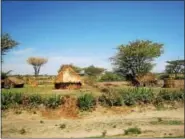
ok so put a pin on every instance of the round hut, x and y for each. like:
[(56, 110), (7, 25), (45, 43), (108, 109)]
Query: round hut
[(13, 82), (67, 79)]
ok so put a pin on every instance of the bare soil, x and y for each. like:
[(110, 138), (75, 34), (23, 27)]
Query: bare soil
[(45, 123)]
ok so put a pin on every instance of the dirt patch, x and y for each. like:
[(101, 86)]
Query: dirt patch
[(68, 109)]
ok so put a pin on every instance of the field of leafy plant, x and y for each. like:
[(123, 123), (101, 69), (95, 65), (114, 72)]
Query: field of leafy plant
[(86, 101)]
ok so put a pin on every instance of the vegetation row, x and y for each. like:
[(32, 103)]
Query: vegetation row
[(110, 97)]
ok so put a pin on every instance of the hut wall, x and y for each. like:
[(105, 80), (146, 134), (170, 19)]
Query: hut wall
[(18, 85), (170, 83), (68, 85)]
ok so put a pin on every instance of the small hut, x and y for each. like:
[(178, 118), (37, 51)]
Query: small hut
[(171, 83), (67, 78), (12, 82)]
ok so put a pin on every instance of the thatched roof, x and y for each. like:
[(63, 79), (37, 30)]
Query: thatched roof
[(67, 74), (15, 80)]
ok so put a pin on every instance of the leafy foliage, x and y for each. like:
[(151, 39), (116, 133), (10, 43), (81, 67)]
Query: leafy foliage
[(175, 67), (53, 101), (93, 71), (86, 102), (137, 96), (165, 95), (111, 98), (136, 57), (110, 76), (7, 43), (133, 130)]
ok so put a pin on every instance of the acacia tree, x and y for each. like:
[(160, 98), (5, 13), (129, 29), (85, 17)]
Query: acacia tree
[(135, 58), (175, 67), (93, 71), (7, 43), (37, 62)]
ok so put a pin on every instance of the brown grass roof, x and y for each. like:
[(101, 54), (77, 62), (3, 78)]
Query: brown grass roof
[(67, 74), (15, 80)]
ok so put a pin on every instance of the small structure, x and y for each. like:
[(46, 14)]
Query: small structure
[(148, 79), (67, 79), (12, 82), (171, 83)]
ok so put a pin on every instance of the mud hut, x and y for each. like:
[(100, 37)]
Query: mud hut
[(171, 83), (148, 79), (67, 78), (12, 82)]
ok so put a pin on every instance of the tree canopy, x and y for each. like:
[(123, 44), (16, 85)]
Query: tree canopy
[(7, 43), (136, 57), (175, 67), (37, 62), (93, 71)]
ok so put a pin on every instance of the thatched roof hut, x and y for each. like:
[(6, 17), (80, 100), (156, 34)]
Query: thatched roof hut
[(12, 82), (67, 78)]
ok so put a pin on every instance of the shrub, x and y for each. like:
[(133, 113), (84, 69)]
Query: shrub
[(133, 130), (53, 101), (104, 133), (9, 98), (62, 126), (109, 76), (35, 100), (86, 102), (111, 98), (137, 96), (41, 121), (166, 95), (22, 131), (90, 80)]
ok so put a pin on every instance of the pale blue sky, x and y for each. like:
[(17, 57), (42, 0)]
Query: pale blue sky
[(86, 33)]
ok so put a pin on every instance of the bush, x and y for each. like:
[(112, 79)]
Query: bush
[(137, 96), (90, 80), (22, 131), (166, 95), (9, 98), (133, 130), (86, 102), (62, 126), (53, 101), (35, 100), (111, 98), (109, 76)]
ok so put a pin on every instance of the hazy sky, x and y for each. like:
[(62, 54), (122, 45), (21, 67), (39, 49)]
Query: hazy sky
[(86, 33)]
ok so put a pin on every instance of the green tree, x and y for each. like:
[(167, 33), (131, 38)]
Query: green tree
[(93, 71), (37, 62), (7, 43), (111, 76), (135, 58), (75, 68), (175, 67)]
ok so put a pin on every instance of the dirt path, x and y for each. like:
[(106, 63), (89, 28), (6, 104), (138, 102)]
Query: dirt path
[(114, 121)]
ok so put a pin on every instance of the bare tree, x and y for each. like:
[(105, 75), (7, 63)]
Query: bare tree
[(37, 62)]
